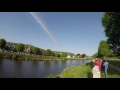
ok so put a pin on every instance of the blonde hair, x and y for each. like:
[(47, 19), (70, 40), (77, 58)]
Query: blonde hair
[(93, 60)]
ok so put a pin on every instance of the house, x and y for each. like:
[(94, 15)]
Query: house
[(73, 56), (68, 56)]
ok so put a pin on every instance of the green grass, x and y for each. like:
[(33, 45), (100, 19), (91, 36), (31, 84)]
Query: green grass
[(52, 76), (114, 58), (85, 70), (112, 73), (115, 62)]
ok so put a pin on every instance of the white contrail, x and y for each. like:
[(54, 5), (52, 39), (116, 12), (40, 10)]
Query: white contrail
[(43, 26)]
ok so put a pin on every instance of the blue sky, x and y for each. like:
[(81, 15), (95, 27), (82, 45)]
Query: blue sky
[(76, 32)]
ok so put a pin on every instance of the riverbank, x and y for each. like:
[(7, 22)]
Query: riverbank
[(35, 57), (84, 71)]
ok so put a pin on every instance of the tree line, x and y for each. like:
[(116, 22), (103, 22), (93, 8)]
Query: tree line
[(35, 50)]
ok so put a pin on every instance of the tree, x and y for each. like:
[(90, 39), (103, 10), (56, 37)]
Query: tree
[(2, 43), (83, 55), (6, 47), (78, 55), (14, 49), (71, 55), (43, 52), (111, 24), (103, 49), (48, 52), (53, 54), (95, 55), (36, 50), (64, 54), (20, 47), (56, 54)]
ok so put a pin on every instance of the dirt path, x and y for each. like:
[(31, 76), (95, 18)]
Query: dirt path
[(115, 67)]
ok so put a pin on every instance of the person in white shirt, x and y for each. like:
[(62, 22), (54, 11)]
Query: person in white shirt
[(95, 71)]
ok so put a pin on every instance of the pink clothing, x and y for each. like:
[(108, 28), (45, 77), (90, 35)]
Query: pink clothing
[(99, 65)]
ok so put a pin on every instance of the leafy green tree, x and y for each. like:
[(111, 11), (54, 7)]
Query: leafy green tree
[(95, 55), (111, 24), (2, 43), (103, 49), (14, 49), (83, 55), (78, 55), (6, 47), (20, 47), (56, 54), (64, 54), (71, 55), (53, 54), (36, 50), (43, 52), (48, 52)]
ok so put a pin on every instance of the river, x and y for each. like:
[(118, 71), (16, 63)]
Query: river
[(34, 69)]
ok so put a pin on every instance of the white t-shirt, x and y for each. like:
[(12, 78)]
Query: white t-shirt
[(95, 69)]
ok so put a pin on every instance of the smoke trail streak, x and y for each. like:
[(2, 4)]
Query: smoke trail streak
[(39, 20)]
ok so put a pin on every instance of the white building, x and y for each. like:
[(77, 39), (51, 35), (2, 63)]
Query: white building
[(68, 56), (73, 56)]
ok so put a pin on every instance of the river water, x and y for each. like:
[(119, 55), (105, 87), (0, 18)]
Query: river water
[(34, 69)]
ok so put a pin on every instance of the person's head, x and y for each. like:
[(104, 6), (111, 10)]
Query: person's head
[(96, 60), (93, 60), (99, 60)]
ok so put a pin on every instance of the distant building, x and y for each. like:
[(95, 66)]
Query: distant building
[(28, 49), (11, 47), (68, 56), (73, 56)]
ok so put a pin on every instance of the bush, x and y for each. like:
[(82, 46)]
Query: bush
[(7, 55), (14, 56), (1, 55)]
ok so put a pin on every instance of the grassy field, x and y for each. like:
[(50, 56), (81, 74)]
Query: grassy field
[(84, 71), (115, 62), (112, 73)]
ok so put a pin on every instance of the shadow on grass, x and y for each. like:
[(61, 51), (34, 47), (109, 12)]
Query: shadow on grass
[(113, 72), (90, 75), (115, 62)]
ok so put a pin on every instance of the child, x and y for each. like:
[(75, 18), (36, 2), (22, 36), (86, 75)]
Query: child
[(95, 71)]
